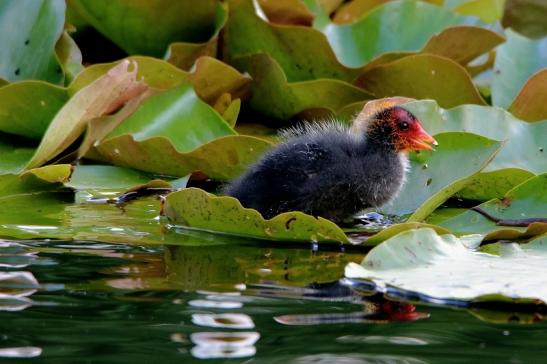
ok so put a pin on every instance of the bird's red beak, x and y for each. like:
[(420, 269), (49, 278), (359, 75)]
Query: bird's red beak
[(421, 140)]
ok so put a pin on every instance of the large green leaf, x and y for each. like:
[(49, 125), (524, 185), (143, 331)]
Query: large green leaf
[(303, 53), (180, 20), (433, 177), (516, 60), (29, 30), (527, 200), (400, 25), (422, 76), (446, 268), (274, 96), (522, 155), (28, 107), (196, 209)]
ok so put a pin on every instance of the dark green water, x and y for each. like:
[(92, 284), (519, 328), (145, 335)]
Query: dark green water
[(85, 302)]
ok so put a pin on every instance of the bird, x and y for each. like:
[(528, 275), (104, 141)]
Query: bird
[(332, 170)]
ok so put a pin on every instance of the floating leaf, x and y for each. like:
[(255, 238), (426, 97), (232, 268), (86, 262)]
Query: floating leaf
[(303, 53), (521, 156), (529, 104), (516, 60), (433, 268), (433, 178), (398, 228), (104, 95), (274, 96), (196, 209), (422, 76), (13, 156), (181, 20), (28, 107), (184, 54), (527, 200), (58, 173), (29, 30), (95, 177), (395, 26)]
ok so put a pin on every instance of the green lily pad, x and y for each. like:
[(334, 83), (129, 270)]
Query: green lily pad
[(446, 268), (181, 20), (398, 228), (303, 53), (91, 177), (527, 200), (422, 76), (433, 178), (274, 96), (184, 54), (28, 107), (395, 26), (58, 173), (529, 104), (101, 97), (526, 17), (521, 156), (29, 30), (13, 157), (196, 209), (221, 159), (516, 60)]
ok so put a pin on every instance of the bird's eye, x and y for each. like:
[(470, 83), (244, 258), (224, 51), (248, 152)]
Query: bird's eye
[(403, 125)]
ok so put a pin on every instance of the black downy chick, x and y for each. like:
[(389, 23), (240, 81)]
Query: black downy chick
[(329, 171)]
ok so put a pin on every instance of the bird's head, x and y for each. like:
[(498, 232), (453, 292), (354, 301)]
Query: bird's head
[(384, 122)]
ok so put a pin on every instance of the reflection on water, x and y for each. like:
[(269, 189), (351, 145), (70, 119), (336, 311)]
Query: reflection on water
[(227, 300)]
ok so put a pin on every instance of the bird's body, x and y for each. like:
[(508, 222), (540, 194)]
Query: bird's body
[(323, 170)]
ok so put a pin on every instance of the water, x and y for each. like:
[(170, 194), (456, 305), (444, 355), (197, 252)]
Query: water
[(129, 289)]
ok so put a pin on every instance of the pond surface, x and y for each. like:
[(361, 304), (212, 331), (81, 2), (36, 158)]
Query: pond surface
[(175, 296)]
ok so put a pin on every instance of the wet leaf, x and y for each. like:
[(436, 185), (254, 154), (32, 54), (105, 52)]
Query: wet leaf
[(29, 30), (181, 20), (445, 268), (294, 48), (28, 107), (527, 200), (433, 178), (422, 76), (104, 95), (274, 96), (529, 104), (184, 54), (516, 60), (522, 155), (196, 209), (394, 26)]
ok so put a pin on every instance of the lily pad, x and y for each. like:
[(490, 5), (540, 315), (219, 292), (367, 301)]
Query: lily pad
[(435, 268), (488, 11), (181, 20), (274, 96), (90, 177), (433, 178), (104, 95), (527, 200), (28, 107), (521, 156), (184, 54), (29, 30), (394, 26), (516, 60), (196, 209), (13, 156), (422, 76), (303, 53)]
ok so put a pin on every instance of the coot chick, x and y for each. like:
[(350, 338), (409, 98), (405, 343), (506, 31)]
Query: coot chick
[(331, 171)]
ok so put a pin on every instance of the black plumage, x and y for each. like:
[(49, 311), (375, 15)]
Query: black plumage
[(325, 170)]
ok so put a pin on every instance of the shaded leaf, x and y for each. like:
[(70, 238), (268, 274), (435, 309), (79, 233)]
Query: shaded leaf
[(69, 55), (13, 156), (29, 30), (422, 76), (527, 200), (181, 20), (100, 177), (516, 60), (196, 209), (28, 107), (529, 104), (351, 11), (290, 12), (433, 178), (102, 96), (526, 17), (435, 267)]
